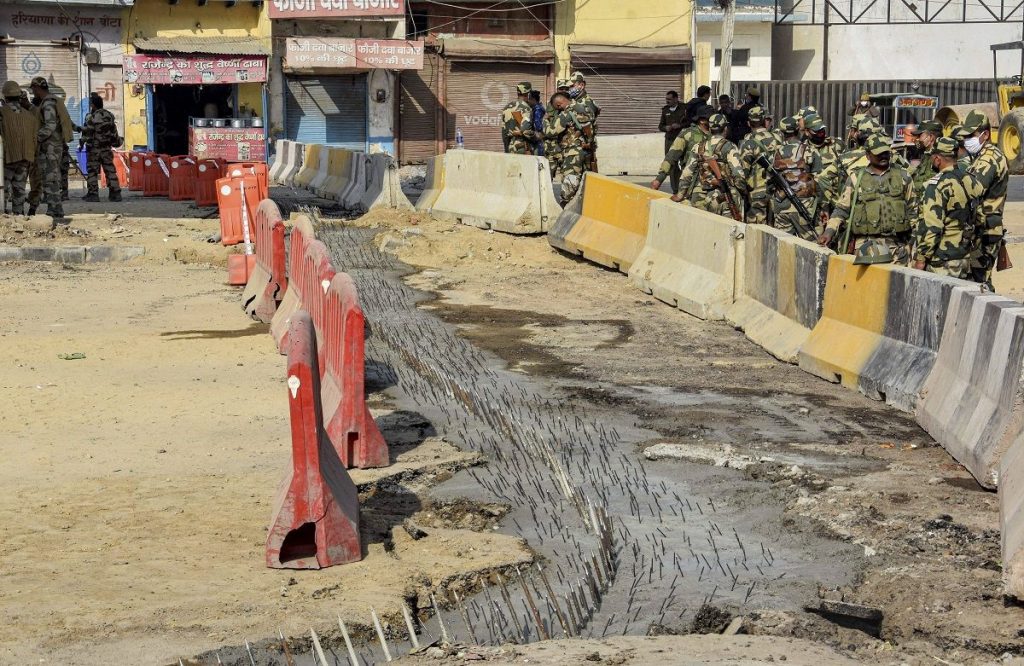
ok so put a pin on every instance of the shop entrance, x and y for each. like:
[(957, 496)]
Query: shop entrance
[(174, 105)]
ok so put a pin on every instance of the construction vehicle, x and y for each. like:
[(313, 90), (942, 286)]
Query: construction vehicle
[(1006, 114)]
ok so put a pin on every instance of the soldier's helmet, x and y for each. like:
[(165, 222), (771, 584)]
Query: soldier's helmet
[(789, 125), (11, 89), (945, 145), (40, 82), (756, 113), (872, 251), (718, 121)]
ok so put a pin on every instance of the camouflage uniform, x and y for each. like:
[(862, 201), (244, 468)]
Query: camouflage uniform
[(990, 169), (679, 153), (709, 196), (18, 127), (798, 163), (945, 235), (570, 128), (593, 110), (759, 142), (517, 133), (100, 135), (51, 151), (878, 207)]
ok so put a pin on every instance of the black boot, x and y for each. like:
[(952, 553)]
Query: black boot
[(32, 210), (115, 196), (91, 196)]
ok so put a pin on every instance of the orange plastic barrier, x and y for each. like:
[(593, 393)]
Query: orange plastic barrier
[(258, 169), (121, 167), (156, 176), (267, 282), (237, 200), (182, 184), (137, 170), (208, 171), (315, 522), (302, 233)]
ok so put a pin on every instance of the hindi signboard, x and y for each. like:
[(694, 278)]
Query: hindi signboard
[(247, 144), (295, 9), (194, 69), (316, 54)]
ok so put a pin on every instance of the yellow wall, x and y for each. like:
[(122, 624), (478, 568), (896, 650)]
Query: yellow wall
[(620, 23), (215, 21)]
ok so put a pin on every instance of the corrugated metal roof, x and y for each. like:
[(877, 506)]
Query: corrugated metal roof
[(211, 45)]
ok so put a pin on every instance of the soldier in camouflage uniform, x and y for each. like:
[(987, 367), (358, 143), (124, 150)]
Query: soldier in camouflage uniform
[(517, 123), (578, 92), (877, 207), (19, 127), (50, 137), (990, 169), (833, 177), (799, 164), (100, 135), (679, 153), (945, 234), (572, 129), (551, 148), (759, 142), (700, 186), (925, 135)]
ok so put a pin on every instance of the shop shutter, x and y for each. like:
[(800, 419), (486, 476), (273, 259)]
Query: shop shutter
[(23, 60), (477, 92), (631, 97), (329, 110), (418, 116)]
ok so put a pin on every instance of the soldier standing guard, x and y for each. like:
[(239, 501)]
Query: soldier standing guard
[(100, 135), (19, 127), (517, 123), (578, 92), (989, 167), (679, 151), (945, 235), (572, 128), (758, 142), (51, 136), (798, 163), (713, 179)]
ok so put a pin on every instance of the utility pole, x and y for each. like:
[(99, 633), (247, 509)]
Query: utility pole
[(728, 29)]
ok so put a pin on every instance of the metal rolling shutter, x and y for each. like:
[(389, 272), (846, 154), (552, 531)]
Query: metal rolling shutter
[(477, 92), (418, 116), (23, 60), (329, 110), (631, 97)]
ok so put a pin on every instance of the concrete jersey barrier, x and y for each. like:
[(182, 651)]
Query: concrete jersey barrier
[(1011, 517), (630, 154), (880, 329), (432, 184), (973, 400), (783, 290), (323, 171), (692, 259), (293, 163), (380, 186), (606, 222), (310, 166), (282, 147), (339, 174), (509, 193)]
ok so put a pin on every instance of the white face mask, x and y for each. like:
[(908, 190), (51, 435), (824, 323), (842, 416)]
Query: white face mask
[(973, 145)]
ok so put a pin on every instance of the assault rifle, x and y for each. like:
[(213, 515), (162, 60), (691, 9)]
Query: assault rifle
[(783, 184), (723, 186)]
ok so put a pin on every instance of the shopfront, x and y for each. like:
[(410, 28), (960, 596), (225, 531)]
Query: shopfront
[(207, 105)]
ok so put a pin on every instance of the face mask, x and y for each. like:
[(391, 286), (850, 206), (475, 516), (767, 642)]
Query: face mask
[(574, 92), (973, 145)]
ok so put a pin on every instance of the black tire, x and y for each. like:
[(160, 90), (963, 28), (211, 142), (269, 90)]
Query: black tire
[(1011, 140)]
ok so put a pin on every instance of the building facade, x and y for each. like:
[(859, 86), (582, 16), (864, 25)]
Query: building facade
[(752, 39)]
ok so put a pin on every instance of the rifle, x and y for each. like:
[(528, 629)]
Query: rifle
[(783, 184), (723, 186)]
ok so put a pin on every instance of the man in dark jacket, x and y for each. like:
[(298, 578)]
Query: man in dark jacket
[(739, 125)]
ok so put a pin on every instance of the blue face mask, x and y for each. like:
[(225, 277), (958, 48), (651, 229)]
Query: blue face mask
[(574, 92)]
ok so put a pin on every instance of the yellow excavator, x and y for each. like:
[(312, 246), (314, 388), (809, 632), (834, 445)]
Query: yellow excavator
[(1006, 114)]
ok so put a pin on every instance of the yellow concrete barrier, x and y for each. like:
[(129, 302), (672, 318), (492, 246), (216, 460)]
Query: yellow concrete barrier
[(879, 330), (691, 260), (610, 225), (339, 171), (432, 184), (310, 166), (783, 290)]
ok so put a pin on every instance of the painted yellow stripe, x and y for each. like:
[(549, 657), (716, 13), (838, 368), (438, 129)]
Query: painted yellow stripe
[(785, 285), (434, 184)]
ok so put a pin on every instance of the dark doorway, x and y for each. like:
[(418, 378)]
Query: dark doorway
[(174, 105)]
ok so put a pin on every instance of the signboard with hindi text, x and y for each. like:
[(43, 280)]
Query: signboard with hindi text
[(194, 69), (321, 54), (293, 9)]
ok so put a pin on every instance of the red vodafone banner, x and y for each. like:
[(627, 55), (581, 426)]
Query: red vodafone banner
[(292, 9), (194, 69)]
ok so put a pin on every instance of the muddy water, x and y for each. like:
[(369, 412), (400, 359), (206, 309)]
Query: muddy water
[(682, 534)]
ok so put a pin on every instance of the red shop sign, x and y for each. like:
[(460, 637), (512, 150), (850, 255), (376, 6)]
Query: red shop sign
[(291, 9), (194, 69)]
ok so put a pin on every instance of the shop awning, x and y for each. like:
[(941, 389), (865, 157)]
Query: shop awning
[(582, 55), (210, 45), (507, 50)]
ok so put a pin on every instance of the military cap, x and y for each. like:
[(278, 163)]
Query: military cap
[(704, 112), (945, 145), (524, 88), (577, 77), (872, 250), (807, 112), (718, 121), (11, 89), (866, 124), (975, 122), (957, 133), (814, 123), (562, 83), (756, 113), (789, 125), (865, 97), (878, 143), (40, 82), (753, 92), (933, 126)]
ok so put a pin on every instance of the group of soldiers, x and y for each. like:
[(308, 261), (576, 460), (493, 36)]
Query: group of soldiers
[(941, 213), (567, 134), (36, 133)]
